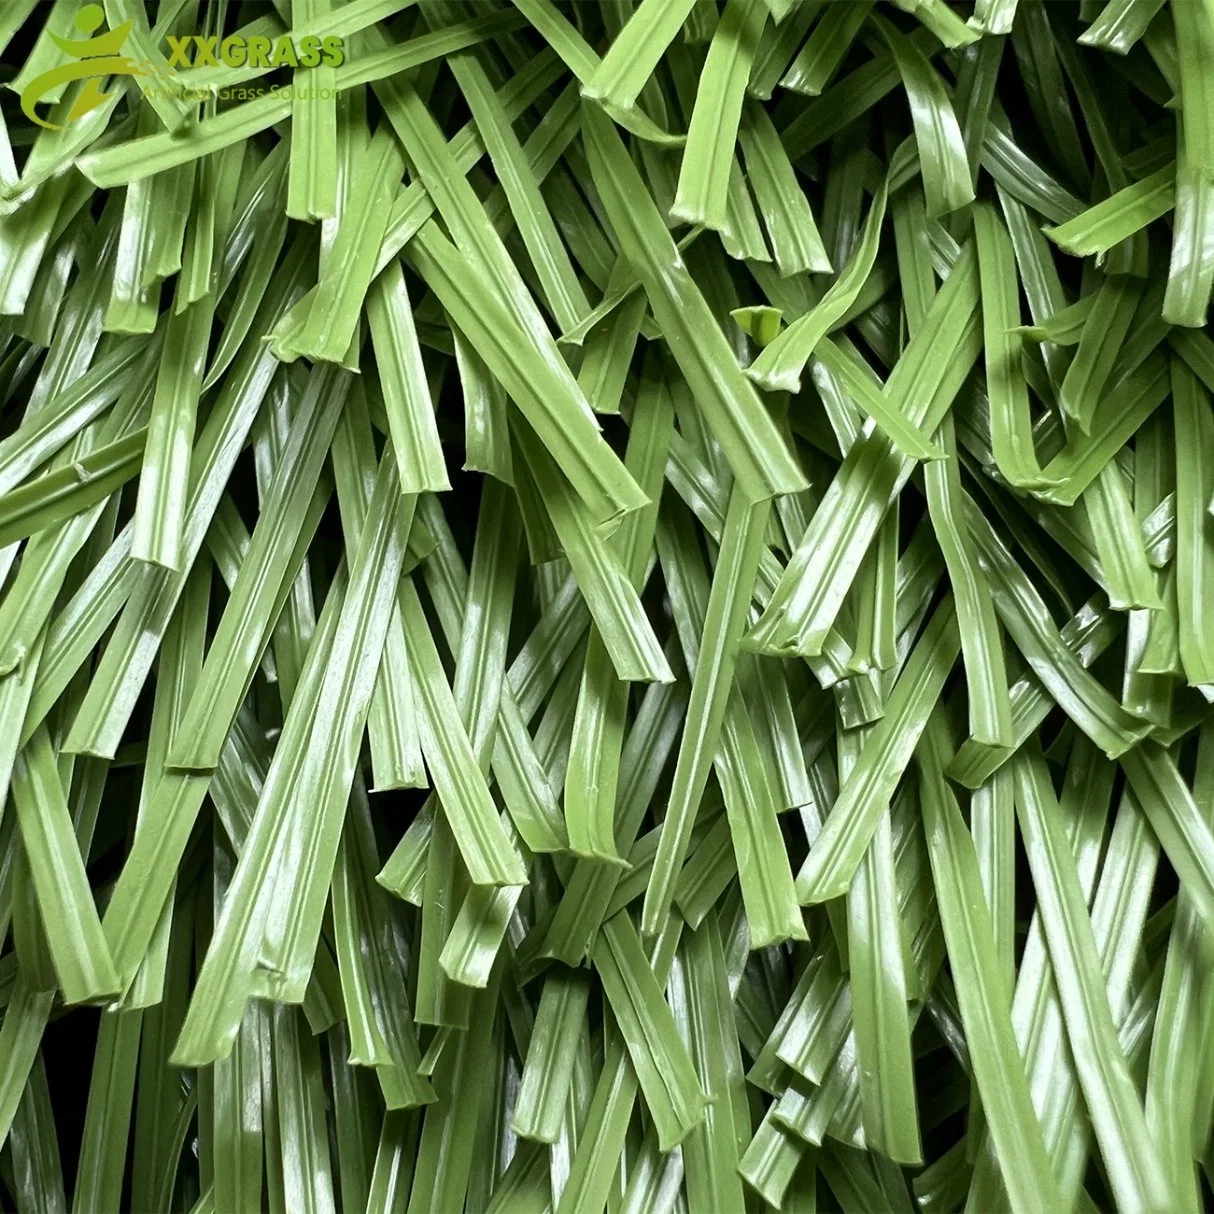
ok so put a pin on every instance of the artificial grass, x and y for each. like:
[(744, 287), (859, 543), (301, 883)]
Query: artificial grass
[(606, 606)]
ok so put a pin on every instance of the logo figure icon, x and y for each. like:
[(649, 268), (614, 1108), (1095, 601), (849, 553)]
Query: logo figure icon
[(96, 58)]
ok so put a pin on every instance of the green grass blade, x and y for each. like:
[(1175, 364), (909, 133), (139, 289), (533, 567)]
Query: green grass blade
[(780, 364), (840, 846), (1176, 1065), (982, 988), (564, 425), (591, 885), (879, 995), (1100, 227), (777, 49), (107, 1121), (51, 427), (663, 1066), (708, 155), (1124, 410), (592, 775), (78, 948), (852, 376), (945, 166), (810, 593), (754, 448), (1010, 424), (452, 762), (1195, 43), (1027, 621), (1099, 344), (237, 1122), (1123, 556), (1119, 26), (548, 1068), (245, 627), (1086, 636), (712, 656), (1191, 269), (636, 52), (225, 979), (396, 757), (825, 49), (611, 597), (1135, 1171), (990, 713), (299, 1083), (402, 379), (132, 647), (787, 216), (381, 1031), (1175, 817), (445, 1152), (67, 492), (1194, 551)]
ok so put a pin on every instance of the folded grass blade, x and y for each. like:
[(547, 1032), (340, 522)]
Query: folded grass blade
[(1099, 344), (268, 568), (548, 1068), (780, 364), (636, 51), (592, 775)]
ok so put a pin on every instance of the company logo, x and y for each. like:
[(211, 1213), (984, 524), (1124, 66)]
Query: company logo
[(97, 57), (95, 60), (255, 51)]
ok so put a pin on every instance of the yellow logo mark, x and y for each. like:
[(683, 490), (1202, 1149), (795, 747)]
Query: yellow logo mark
[(96, 58)]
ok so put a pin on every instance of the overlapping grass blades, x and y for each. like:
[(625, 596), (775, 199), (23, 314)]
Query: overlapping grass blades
[(607, 606)]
